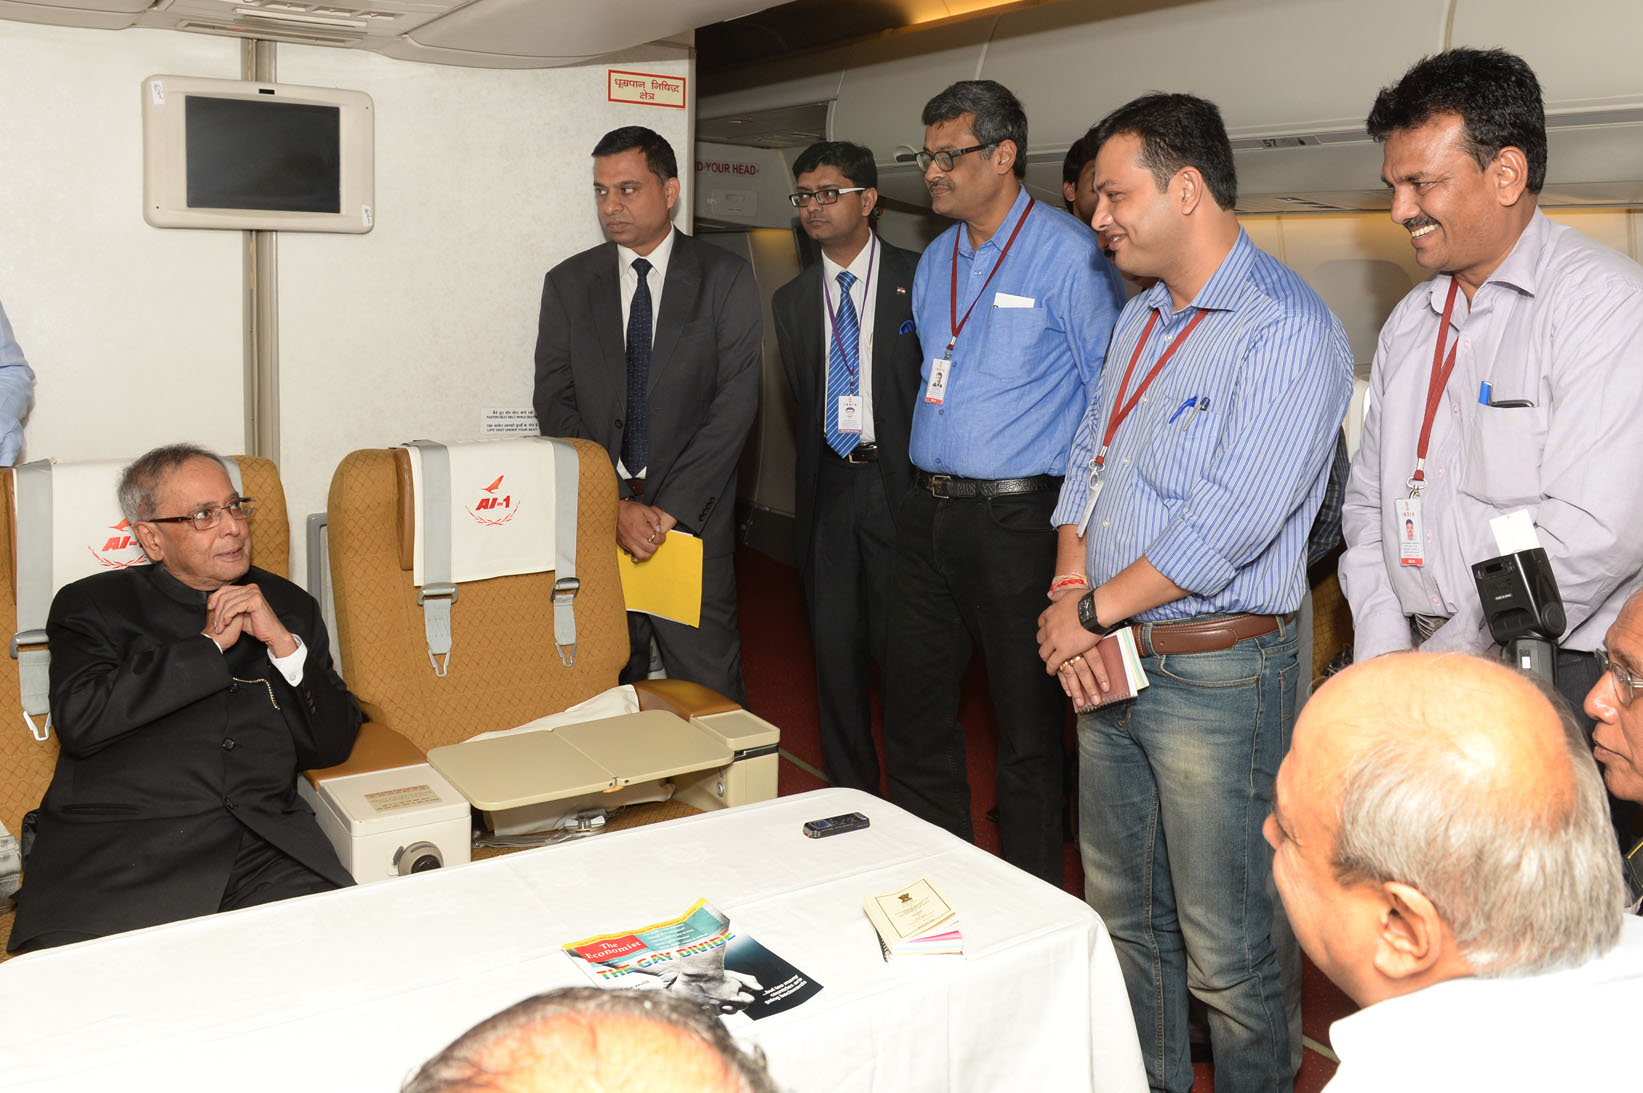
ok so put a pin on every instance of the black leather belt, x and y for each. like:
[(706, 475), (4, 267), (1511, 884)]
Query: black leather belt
[(861, 453), (952, 487), (636, 486), (1209, 635)]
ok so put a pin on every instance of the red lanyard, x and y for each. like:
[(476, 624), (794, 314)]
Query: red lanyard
[(1441, 368), (958, 323), (1121, 409), (853, 369)]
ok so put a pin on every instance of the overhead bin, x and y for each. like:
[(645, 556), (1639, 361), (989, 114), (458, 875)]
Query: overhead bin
[(472, 33), (1294, 80)]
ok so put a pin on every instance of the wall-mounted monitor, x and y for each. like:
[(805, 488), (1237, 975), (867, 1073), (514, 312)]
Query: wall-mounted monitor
[(237, 155)]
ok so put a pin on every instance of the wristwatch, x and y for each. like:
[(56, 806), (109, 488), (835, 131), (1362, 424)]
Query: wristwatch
[(1086, 613), (1088, 620)]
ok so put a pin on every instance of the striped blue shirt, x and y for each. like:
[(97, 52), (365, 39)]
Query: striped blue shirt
[(1021, 375), (1216, 477)]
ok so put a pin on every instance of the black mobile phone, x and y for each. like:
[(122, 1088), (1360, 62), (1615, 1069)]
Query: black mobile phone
[(835, 825)]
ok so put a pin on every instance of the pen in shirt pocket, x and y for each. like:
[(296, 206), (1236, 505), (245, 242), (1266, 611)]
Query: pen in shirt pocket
[(1181, 409), (1486, 397), (1199, 411)]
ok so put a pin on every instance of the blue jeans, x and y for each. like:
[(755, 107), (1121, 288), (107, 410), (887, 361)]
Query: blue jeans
[(1173, 789)]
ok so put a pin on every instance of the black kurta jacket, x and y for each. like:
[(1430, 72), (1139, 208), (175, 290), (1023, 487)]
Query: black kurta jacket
[(170, 750)]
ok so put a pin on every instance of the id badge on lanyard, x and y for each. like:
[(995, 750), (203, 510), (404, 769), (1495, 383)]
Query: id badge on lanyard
[(1411, 530), (936, 390), (849, 413)]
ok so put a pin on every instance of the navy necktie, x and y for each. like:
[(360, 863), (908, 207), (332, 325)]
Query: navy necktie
[(636, 437), (843, 355)]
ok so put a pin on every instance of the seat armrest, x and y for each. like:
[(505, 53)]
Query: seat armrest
[(679, 697), (377, 747)]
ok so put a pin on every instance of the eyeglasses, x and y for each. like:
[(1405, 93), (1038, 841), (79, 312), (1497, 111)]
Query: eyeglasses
[(924, 157), (1626, 685), (209, 516), (828, 196)]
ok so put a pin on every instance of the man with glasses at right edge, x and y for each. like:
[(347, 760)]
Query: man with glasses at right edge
[(1615, 702), (1014, 305)]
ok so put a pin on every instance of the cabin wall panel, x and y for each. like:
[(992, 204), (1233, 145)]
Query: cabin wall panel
[(483, 183), (134, 332)]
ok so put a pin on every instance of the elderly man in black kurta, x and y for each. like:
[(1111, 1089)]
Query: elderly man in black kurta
[(186, 695)]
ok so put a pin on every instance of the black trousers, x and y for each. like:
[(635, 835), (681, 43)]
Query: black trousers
[(261, 874), (847, 591), (973, 573), (709, 654)]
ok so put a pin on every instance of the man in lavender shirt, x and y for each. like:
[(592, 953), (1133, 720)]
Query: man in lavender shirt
[(1543, 408)]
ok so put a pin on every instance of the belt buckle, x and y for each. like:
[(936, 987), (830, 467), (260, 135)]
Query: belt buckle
[(937, 485), (851, 458)]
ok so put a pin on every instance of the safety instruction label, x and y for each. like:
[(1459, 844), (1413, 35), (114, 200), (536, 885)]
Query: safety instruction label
[(387, 800)]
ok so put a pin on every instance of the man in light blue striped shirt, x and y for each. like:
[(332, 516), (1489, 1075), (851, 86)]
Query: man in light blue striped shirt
[(1191, 486)]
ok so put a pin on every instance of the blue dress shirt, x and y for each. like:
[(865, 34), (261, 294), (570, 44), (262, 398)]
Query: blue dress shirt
[(16, 393), (1218, 499), (1022, 375)]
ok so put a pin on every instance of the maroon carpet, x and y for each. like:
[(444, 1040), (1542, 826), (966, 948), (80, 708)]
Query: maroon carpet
[(781, 687)]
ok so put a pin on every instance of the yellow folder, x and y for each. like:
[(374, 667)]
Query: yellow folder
[(668, 583)]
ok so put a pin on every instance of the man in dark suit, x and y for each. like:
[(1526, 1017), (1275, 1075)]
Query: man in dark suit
[(650, 345), (187, 695), (845, 328)]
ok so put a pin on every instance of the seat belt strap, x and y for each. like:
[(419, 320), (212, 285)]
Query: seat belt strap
[(34, 589), (567, 481), (437, 593)]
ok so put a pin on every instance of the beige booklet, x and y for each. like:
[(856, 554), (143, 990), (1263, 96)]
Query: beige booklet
[(918, 919)]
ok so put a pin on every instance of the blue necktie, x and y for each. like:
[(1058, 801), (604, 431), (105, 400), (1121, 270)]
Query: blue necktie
[(636, 437), (843, 356)]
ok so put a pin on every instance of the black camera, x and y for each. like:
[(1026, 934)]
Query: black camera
[(1524, 611)]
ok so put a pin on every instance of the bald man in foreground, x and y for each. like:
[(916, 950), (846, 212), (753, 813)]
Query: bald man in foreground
[(1445, 855), (593, 1040)]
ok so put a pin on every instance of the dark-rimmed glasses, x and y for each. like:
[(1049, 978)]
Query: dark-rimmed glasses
[(1626, 685), (924, 157), (207, 517), (827, 196)]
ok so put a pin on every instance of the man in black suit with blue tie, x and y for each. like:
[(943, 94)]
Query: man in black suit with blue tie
[(649, 344), (845, 328)]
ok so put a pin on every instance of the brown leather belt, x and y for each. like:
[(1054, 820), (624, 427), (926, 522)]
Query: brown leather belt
[(1204, 635), (636, 486), (952, 487)]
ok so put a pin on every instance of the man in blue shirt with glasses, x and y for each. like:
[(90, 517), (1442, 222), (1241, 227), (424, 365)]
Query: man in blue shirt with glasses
[(1014, 304)]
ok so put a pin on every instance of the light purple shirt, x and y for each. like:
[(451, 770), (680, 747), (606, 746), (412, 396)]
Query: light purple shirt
[(1559, 324)]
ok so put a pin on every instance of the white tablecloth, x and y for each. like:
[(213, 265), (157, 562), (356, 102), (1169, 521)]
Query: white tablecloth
[(352, 990)]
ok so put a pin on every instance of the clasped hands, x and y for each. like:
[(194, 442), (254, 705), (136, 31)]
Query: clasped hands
[(1063, 643), (236, 609), (640, 528)]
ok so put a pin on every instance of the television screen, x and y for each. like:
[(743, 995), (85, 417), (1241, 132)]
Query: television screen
[(251, 154), (245, 156)]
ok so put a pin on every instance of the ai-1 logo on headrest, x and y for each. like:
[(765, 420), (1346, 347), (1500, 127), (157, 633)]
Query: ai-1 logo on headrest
[(120, 550), (499, 507)]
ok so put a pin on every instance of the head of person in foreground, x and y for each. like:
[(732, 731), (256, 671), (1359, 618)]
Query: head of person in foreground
[(593, 1040), (1437, 816)]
